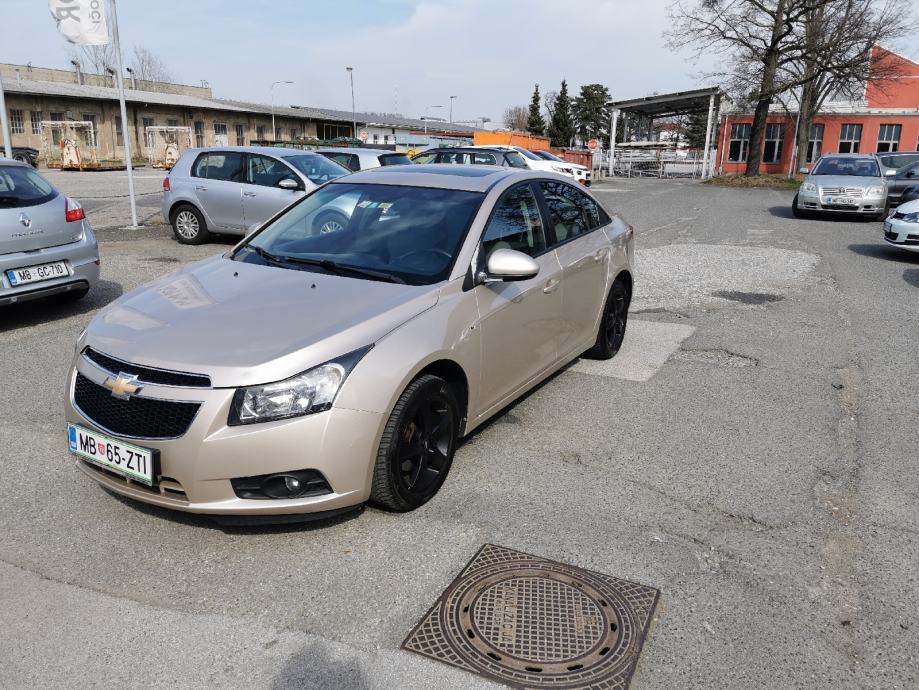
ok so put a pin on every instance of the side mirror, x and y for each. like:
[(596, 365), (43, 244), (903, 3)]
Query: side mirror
[(890, 173), (508, 265), (289, 183), (804, 171)]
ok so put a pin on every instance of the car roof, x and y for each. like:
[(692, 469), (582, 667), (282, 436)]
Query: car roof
[(268, 150), (10, 162), (863, 156), (471, 149), (467, 178)]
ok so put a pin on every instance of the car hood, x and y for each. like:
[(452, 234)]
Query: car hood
[(909, 207), (244, 324), (845, 181)]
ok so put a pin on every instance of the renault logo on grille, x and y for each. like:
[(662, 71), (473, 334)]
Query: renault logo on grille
[(124, 386)]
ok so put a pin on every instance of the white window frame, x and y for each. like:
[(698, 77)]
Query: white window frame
[(850, 133), (17, 121), (740, 128), (814, 142), (889, 137), (778, 142)]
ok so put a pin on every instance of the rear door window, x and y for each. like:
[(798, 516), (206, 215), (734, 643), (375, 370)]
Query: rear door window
[(566, 210), (515, 224), (484, 159), (426, 157), (346, 160), (20, 187), (515, 160), (225, 165)]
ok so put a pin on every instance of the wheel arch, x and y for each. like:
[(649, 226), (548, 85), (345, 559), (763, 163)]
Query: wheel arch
[(451, 372), (176, 205), (626, 277)]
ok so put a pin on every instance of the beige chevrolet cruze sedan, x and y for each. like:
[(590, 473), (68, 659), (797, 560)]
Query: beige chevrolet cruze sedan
[(306, 372)]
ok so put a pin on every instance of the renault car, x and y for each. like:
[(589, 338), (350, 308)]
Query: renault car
[(307, 372)]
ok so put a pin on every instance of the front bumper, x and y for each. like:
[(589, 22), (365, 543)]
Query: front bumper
[(868, 206), (82, 259), (900, 234), (196, 468)]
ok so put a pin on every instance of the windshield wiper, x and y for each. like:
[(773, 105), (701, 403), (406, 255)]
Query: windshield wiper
[(341, 269), (267, 256)]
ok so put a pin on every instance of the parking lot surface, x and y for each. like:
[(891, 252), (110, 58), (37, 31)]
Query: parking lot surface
[(750, 453)]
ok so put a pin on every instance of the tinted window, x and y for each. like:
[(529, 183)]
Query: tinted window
[(317, 169), (484, 159), (566, 210), (23, 187), (550, 156), (227, 166), (515, 224), (528, 154), (457, 157), (515, 160), (267, 171), (899, 161), (346, 160), (909, 171), (412, 233), (426, 157), (395, 159)]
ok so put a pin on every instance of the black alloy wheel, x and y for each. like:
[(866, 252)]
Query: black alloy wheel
[(417, 447), (614, 322)]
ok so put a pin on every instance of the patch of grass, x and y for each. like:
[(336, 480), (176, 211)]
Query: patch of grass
[(759, 182)]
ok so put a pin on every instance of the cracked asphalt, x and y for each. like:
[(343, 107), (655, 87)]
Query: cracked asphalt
[(761, 472)]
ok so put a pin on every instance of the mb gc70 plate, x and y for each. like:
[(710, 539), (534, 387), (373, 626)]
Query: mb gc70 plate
[(533, 623)]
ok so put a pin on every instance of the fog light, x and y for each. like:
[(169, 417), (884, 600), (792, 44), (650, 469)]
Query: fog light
[(281, 485)]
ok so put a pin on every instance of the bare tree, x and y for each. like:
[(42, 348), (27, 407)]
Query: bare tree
[(148, 66), (548, 101), (95, 59), (755, 36), (516, 117)]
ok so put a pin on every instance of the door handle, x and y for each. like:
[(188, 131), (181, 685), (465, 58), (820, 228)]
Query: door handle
[(201, 189), (551, 285), (248, 193)]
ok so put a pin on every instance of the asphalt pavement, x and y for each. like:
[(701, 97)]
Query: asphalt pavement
[(750, 453)]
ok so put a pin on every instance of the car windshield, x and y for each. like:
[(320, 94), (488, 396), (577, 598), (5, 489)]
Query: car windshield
[(855, 167), (529, 154), (20, 186), (395, 159), (550, 156), (376, 232), (317, 169)]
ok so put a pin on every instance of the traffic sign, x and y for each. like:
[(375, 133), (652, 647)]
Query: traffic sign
[(364, 135), (593, 145)]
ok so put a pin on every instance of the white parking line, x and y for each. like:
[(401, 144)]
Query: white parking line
[(647, 347)]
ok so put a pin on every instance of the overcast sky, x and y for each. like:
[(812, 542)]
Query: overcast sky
[(406, 54)]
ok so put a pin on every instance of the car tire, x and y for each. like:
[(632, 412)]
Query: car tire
[(417, 446), (886, 212), (613, 322), (329, 222), (796, 211), (189, 225)]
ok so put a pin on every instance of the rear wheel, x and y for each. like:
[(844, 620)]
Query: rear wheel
[(417, 447), (189, 226), (612, 323)]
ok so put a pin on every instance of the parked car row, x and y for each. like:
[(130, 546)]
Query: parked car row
[(234, 189)]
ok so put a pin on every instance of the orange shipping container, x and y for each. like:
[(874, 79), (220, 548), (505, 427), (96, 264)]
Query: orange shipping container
[(527, 141)]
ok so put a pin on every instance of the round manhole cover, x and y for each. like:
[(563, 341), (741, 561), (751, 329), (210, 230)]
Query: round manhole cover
[(530, 622)]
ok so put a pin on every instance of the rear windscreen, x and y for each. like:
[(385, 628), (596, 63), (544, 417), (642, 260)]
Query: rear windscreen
[(395, 159), (20, 186)]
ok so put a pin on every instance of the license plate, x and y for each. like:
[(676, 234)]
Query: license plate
[(36, 274), (839, 201), (126, 459)]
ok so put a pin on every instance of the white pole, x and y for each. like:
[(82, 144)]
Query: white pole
[(119, 75), (708, 137), (5, 124), (794, 142), (612, 139)]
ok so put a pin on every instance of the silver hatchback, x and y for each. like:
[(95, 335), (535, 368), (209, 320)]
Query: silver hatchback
[(47, 246), (228, 190)]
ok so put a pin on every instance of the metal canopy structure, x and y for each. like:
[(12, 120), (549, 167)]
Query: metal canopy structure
[(657, 106)]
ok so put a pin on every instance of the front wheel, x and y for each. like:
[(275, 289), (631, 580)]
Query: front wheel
[(417, 447), (796, 210), (612, 323)]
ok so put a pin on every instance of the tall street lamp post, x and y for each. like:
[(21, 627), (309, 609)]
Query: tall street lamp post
[(425, 118), (353, 114), (452, 98), (274, 132)]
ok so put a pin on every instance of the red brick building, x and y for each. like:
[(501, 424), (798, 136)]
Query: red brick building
[(887, 119)]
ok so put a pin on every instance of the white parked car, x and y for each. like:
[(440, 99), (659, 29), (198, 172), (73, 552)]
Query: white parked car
[(901, 229), (581, 172), (534, 162)]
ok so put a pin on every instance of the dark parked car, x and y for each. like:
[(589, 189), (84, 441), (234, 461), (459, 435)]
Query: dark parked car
[(897, 160), (472, 156), (905, 178), (26, 154)]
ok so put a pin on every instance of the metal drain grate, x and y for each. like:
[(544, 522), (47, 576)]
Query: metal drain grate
[(533, 623)]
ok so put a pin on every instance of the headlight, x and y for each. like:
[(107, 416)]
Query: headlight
[(910, 217), (874, 191), (312, 391), (560, 169), (809, 187)]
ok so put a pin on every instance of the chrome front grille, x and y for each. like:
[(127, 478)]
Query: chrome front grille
[(848, 192)]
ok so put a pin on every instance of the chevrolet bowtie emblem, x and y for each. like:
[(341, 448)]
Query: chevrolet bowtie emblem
[(25, 220), (122, 387)]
